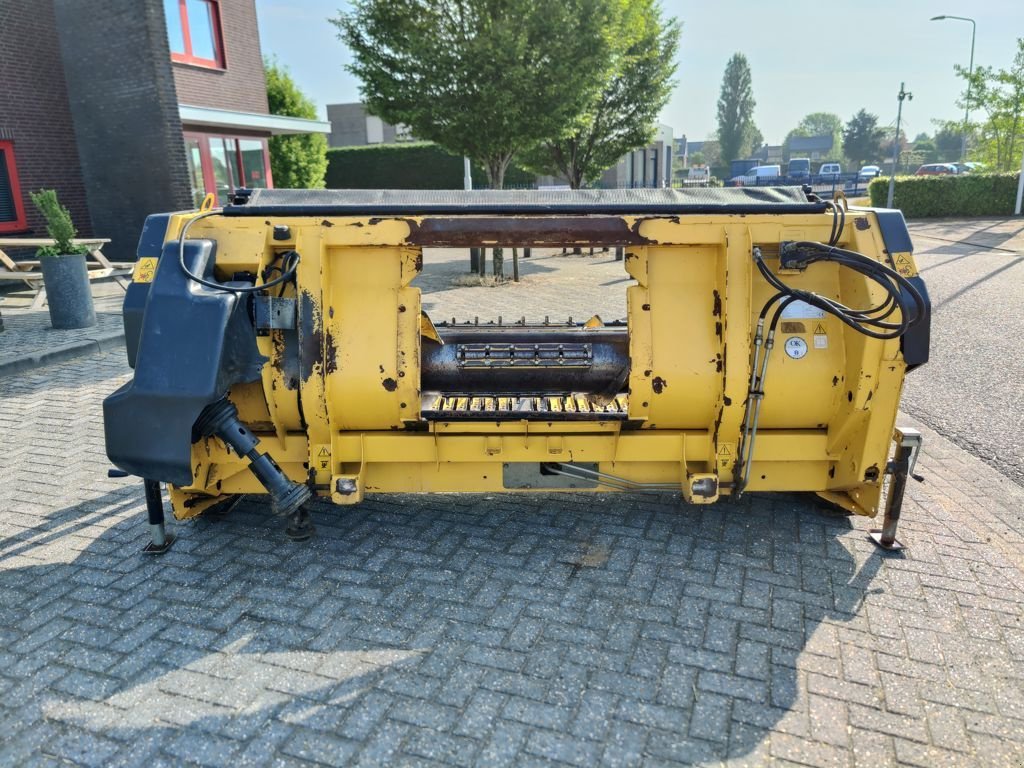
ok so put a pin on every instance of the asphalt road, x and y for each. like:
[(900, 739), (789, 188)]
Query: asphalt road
[(972, 390)]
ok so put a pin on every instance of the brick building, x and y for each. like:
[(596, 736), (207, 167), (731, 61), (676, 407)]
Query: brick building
[(127, 107)]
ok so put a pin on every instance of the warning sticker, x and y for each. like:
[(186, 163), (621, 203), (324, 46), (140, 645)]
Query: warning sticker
[(904, 264), (145, 270), (820, 341), (820, 337), (724, 455), (801, 310)]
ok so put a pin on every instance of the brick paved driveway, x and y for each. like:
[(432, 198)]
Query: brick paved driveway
[(490, 630)]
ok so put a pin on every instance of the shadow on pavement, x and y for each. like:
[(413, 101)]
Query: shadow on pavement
[(423, 623)]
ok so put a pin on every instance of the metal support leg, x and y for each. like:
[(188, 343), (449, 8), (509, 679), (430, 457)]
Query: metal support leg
[(908, 446), (161, 540), (221, 419)]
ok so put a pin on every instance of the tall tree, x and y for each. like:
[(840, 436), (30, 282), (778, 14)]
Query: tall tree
[(862, 139), (622, 116), (999, 95), (300, 161), (481, 78), (948, 138), (736, 109)]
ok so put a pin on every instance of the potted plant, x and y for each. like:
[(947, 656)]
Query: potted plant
[(65, 274)]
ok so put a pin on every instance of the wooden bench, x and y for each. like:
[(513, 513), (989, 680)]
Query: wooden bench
[(29, 273)]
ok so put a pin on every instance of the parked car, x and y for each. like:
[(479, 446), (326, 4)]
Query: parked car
[(937, 169), (799, 168), (830, 171), (757, 174), (869, 172), (970, 167)]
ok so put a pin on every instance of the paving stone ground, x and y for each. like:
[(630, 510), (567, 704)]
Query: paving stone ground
[(456, 630), (493, 629)]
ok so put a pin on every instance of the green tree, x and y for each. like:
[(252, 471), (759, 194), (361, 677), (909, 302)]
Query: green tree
[(948, 139), (300, 161), (999, 95), (736, 109), (862, 138), (481, 78), (926, 151), (622, 116)]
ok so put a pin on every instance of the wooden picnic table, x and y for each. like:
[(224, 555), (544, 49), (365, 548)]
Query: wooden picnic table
[(28, 272)]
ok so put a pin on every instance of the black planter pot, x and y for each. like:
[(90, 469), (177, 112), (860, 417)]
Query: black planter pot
[(68, 293)]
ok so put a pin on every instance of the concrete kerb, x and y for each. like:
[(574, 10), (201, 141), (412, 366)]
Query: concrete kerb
[(81, 348)]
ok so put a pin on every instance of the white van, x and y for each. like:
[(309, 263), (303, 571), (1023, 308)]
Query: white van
[(757, 174), (830, 170)]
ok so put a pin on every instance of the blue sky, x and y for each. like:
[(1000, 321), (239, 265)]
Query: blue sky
[(805, 55)]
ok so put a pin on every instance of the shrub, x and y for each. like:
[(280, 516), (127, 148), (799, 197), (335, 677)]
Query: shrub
[(58, 225), (296, 162), (972, 194), (412, 165)]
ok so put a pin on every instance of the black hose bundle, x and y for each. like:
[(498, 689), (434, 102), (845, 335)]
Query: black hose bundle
[(901, 294)]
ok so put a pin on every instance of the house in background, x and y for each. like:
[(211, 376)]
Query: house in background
[(129, 107), (353, 126), (816, 148), (769, 154), (650, 166)]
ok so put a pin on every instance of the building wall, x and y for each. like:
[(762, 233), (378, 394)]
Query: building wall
[(348, 125), (241, 85), (125, 113), (351, 126), (34, 111)]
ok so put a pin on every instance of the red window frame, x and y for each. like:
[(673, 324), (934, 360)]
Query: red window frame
[(187, 57), (19, 224), (206, 158)]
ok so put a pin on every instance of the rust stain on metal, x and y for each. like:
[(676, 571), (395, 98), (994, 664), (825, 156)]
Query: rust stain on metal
[(862, 223), (718, 330), (515, 231), (331, 356), (329, 223), (716, 307), (658, 384), (389, 384), (311, 338)]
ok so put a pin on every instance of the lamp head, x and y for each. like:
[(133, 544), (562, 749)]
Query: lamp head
[(937, 18)]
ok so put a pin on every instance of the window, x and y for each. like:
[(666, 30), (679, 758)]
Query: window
[(193, 31), (220, 164), (12, 212)]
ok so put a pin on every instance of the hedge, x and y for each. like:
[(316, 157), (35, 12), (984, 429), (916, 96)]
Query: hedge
[(413, 165), (972, 194)]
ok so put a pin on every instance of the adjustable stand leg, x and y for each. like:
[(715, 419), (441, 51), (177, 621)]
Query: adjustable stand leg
[(908, 445), (221, 419), (161, 540)]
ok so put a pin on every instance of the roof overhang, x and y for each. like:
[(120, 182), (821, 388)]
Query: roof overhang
[(276, 125)]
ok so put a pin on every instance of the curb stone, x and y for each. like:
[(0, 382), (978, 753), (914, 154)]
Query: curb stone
[(81, 348)]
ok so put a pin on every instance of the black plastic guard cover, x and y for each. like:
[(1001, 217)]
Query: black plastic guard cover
[(195, 343), (915, 343), (151, 243)]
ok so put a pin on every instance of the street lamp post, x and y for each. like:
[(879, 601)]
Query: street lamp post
[(903, 94), (970, 71)]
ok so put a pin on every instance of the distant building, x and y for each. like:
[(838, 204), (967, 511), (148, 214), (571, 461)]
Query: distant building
[(650, 166), (130, 107), (813, 147), (353, 126), (683, 148), (769, 154)]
